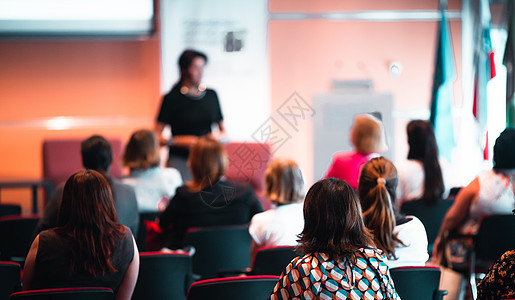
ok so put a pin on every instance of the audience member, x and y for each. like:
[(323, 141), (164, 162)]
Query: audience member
[(280, 225), (403, 239), (88, 247), (341, 260), (421, 175), (153, 184), (368, 139), (190, 109), (208, 200), (499, 283), (491, 192), (97, 154)]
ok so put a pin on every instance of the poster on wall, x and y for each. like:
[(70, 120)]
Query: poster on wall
[(233, 34)]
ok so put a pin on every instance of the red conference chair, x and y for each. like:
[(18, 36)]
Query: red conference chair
[(16, 236), (247, 163), (233, 288), (417, 283), (61, 158), (9, 279), (219, 249), (163, 276), (78, 293), (272, 260)]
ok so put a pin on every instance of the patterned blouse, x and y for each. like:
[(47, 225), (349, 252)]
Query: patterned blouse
[(315, 276), (499, 283)]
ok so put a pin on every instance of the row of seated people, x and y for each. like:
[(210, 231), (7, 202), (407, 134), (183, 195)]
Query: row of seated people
[(209, 197)]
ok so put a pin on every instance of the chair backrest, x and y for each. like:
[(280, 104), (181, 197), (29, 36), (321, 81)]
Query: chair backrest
[(10, 210), (163, 276), (496, 235), (247, 163), (219, 248), (61, 158), (79, 293), (431, 216), (272, 260), (416, 283), (232, 288), (16, 236), (9, 279)]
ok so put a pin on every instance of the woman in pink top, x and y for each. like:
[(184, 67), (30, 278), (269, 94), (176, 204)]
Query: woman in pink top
[(368, 138)]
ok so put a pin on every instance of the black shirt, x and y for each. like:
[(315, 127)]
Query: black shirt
[(223, 203), (189, 115), (53, 259)]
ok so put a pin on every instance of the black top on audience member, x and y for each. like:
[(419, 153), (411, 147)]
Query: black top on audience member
[(88, 247), (207, 200)]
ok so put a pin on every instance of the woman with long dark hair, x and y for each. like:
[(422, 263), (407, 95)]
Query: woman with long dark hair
[(421, 177), (403, 239), (340, 257), (88, 247)]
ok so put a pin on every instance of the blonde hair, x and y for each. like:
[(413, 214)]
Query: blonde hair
[(142, 151), (207, 162), (367, 134), (284, 182)]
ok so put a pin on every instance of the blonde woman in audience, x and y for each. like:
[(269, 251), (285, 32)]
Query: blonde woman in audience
[(153, 185), (402, 238), (368, 138), (280, 225), (341, 261)]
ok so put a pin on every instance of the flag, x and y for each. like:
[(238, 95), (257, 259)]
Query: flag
[(485, 70), (508, 61), (442, 93)]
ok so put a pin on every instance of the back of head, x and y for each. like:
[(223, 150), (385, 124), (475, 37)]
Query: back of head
[(504, 150), (207, 162), (87, 215), (284, 182), (97, 153), (333, 223), (87, 201), (142, 150), (423, 147), (367, 134), (376, 190)]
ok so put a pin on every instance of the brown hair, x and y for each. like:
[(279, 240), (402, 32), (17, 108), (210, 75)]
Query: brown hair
[(367, 134), (376, 190), (284, 182), (333, 221), (207, 162), (87, 215), (142, 151)]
